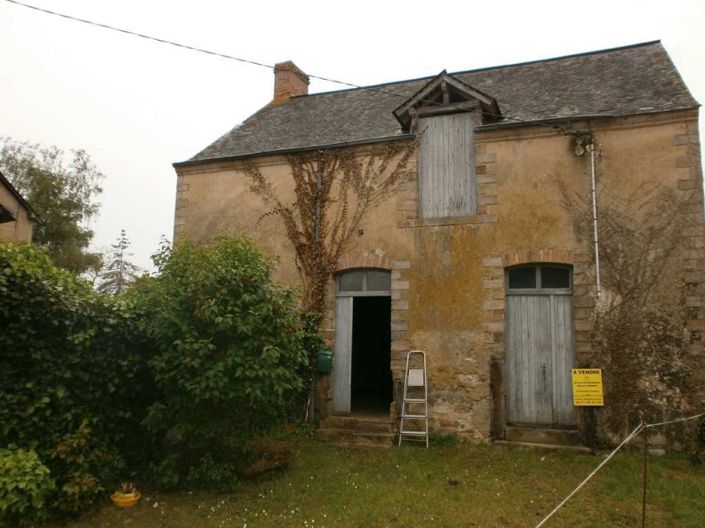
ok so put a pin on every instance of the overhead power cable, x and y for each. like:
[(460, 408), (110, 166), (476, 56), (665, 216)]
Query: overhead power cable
[(172, 43), (222, 55)]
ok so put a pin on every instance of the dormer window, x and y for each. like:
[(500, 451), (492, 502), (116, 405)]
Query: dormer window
[(444, 115), (446, 94)]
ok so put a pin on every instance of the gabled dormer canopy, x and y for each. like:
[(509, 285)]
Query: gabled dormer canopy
[(446, 94)]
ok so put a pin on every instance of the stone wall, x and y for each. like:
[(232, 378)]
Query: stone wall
[(690, 180), (448, 274)]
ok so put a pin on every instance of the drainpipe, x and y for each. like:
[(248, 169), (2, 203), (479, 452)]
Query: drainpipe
[(591, 148)]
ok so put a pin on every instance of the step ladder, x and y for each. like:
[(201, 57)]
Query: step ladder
[(414, 406)]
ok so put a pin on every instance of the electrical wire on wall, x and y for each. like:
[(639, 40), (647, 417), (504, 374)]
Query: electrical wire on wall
[(591, 150), (586, 143)]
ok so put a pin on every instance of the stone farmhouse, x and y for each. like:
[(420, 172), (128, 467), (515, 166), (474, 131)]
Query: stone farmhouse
[(17, 217), (484, 255)]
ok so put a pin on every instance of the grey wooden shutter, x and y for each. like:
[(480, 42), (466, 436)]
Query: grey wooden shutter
[(447, 183)]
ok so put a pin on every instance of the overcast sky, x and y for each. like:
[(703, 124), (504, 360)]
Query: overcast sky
[(137, 106)]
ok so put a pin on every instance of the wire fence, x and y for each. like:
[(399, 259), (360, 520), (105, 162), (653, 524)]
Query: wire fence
[(642, 427)]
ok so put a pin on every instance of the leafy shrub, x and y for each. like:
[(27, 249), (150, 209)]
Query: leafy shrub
[(85, 464), (210, 474), (170, 380), (74, 380), (24, 486), (230, 355)]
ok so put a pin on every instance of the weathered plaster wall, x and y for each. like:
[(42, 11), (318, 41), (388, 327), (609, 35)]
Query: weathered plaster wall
[(457, 269), (216, 199), (523, 169), (448, 274), (21, 229)]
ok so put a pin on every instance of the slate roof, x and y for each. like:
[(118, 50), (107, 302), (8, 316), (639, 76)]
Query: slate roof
[(623, 81)]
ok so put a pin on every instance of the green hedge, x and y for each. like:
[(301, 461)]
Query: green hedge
[(169, 383), (74, 379)]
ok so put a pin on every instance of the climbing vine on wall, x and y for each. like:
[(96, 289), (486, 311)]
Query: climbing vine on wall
[(638, 335), (334, 190)]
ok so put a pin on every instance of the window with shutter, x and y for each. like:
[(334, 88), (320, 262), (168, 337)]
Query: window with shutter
[(444, 114), (447, 184)]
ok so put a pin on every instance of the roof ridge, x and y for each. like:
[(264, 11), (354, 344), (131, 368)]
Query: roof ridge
[(642, 79), (563, 57), (487, 68)]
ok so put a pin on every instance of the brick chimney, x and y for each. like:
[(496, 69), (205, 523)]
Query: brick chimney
[(289, 80)]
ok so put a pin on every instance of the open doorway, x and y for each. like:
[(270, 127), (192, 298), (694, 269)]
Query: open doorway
[(371, 379), (362, 376)]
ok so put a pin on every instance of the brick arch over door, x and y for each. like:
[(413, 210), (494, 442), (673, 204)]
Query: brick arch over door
[(377, 258), (530, 256)]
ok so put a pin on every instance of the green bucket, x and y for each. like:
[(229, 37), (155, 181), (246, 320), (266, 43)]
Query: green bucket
[(324, 361)]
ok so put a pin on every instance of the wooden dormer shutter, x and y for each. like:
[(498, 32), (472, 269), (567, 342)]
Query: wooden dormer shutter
[(447, 182), (444, 114)]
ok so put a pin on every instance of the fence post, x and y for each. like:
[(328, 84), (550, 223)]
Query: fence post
[(645, 470)]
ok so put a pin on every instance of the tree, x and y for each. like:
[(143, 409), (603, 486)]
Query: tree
[(118, 272), (62, 194)]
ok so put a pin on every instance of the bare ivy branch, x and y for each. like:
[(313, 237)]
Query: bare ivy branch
[(334, 189), (638, 335)]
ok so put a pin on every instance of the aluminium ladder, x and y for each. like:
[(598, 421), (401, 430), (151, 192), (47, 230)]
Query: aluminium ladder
[(414, 405)]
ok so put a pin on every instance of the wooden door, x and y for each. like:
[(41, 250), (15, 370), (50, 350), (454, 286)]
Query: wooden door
[(540, 355), (342, 357), (563, 358)]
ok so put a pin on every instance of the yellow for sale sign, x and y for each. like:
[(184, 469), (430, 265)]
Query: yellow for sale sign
[(587, 388)]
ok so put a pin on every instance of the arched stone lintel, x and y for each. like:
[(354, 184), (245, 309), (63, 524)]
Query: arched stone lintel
[(367, 259), (530, 256)]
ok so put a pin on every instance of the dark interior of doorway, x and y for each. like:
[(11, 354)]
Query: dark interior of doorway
[(371, 382)]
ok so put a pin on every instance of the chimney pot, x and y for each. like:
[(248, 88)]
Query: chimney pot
[(289, 81)]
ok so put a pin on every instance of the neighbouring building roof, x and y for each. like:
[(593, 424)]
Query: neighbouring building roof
[(623, 81), (7, 214)]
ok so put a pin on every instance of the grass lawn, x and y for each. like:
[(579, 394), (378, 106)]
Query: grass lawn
[(458, 486)]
